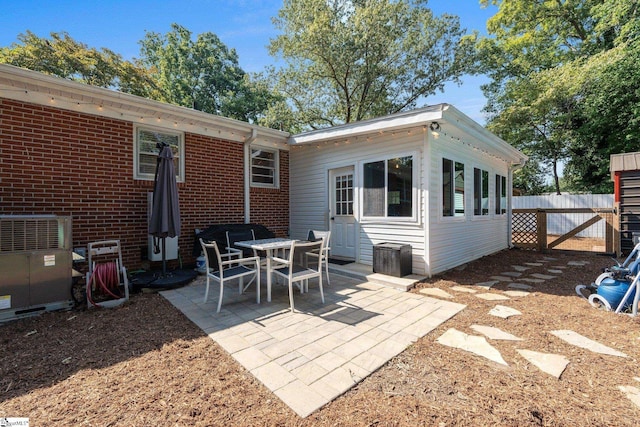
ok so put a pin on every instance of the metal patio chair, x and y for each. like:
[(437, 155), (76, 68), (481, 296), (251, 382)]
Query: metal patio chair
[(239, 236), (294, 268), (314, 235), (236, 268)]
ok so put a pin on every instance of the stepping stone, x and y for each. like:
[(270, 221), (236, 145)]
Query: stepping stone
[(520, 268), (517, 293), (436, 292), (504, 312), (533, 264), (471, 343), (463, 289), (553, 271), (519, 286), (550, 258), (502, 278), (512, 274), (559, 267), (492, 297), (552, 364), (632, 393), (487, 285), (495, 333), (578, 263), (530, 280), (542, 276), (578, 340)]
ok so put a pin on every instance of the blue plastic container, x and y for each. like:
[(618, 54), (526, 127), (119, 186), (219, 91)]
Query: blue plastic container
[(613, 291), (201, 264)]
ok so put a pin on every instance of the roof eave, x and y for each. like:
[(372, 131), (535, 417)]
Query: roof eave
[(31, 86), (443, 113), (371, 126), (494, 143)]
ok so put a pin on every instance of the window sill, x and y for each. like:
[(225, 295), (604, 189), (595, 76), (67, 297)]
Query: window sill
[(452, 218), (390, 221)]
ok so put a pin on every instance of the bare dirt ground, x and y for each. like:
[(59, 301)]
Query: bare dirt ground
[(145, 364), (585, 244)]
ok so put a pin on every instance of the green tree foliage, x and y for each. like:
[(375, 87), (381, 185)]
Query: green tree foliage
[(563, 85), (202, 74), (607, 120), (64, 57), (530, 179), (349, 60)]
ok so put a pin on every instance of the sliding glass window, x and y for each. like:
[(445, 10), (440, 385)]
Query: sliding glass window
[(388, 188), (501, 195), (480, 192), (452, 188)]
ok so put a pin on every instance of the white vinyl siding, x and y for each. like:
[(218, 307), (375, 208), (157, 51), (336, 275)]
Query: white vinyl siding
[(452, 240), (455, 241), (309, 170)]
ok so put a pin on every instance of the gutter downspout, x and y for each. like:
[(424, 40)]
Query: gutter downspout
[(425, 200), (512, 168), (247, 175)]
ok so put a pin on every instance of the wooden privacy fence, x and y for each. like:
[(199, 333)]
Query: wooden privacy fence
[(529, 228), (560, 223)]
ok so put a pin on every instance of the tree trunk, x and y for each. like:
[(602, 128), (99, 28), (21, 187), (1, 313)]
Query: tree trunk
[(556, 179)]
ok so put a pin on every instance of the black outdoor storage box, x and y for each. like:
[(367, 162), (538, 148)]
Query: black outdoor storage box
[(392, 259)]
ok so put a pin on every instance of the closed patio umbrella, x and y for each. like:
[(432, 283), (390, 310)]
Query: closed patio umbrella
[(165, 211)]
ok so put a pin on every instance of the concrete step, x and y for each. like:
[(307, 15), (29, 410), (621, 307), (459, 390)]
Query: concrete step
[(364, 272)]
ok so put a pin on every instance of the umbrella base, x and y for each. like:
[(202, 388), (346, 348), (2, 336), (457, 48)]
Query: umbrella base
[(168, 280)]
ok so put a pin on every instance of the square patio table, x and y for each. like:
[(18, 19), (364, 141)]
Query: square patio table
[(268, 246)]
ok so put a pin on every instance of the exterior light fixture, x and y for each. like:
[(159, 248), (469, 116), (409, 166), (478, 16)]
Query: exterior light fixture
[(435, 127)]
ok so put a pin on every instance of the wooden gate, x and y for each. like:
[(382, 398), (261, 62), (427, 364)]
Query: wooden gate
[(529, 228)]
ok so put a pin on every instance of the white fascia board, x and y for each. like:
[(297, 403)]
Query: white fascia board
[(485, 140), (367, 127), (34, 87)]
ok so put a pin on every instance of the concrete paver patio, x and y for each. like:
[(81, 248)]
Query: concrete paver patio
[(310, 357)]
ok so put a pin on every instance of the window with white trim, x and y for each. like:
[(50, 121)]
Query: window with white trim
[(146, 146), (388, 188), (264, 167), (501, 195), (452, 188), (480, 192)]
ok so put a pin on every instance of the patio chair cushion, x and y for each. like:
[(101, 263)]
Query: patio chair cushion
[(233, 271), (238, 236), (297, 269)]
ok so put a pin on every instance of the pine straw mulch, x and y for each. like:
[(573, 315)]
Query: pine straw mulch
[(145, 364)]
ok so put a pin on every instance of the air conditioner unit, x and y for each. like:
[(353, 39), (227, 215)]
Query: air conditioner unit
[(171, 243), (35, 264)]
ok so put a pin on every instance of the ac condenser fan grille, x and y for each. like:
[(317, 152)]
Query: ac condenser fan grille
[(29, 234)]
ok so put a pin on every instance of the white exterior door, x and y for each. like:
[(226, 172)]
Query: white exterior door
[(343, 223)]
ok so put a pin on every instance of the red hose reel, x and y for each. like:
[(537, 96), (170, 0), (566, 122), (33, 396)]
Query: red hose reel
[(107, 283)]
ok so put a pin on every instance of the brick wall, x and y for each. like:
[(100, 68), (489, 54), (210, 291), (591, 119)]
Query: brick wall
[(54, 161), (271, 206)]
